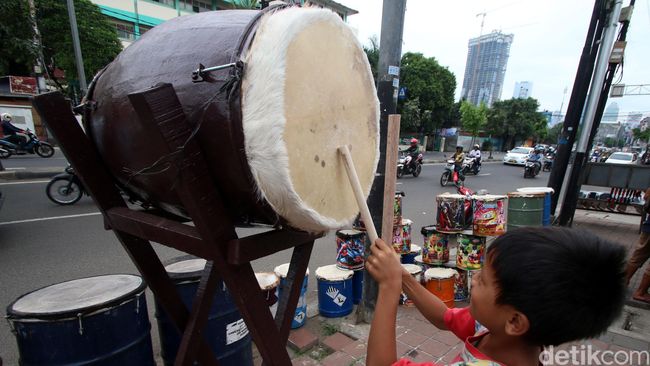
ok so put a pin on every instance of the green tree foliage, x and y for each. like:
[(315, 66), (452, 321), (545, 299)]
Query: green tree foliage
[(515, 119), (372, 52), (432, 85), (17, 49), (641, 135), (473, 118), (553, 134)]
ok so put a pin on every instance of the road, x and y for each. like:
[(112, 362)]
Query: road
[(28, 161), (42, 243)]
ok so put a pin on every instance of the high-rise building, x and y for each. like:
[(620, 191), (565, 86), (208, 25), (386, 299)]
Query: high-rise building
[(523, 89), (487, 58), (611, 113)]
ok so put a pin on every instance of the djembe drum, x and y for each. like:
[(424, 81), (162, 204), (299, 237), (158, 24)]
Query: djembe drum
[(294, 86)]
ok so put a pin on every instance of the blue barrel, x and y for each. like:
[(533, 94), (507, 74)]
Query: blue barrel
[(409, 258), (225, 330), (300, 316), (357, 286), (100, 320), (334, 291), (548, 191)]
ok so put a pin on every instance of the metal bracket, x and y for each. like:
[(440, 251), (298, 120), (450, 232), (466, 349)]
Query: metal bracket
[(197, 75)]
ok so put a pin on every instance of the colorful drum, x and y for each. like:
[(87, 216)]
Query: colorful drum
[(416, 272), (461, 290), (489, 215), (525, 209), (436, 246), (300, 316), (409, 258), (99, 320), (225, 330), (470, 252), (451, 212), (402, 237), (440, 282), (350, 245), (397, 207), (334, 291), (268, 284), (357, 286)]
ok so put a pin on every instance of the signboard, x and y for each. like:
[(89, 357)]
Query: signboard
[(22, 85), (402, 93)]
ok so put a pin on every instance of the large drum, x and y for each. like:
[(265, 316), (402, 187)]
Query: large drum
[(451, 215), (98, 320), (268, 127), (489, 215)]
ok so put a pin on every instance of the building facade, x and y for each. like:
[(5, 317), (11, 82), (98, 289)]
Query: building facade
[(485, 69), (523, 89), (132, 18)]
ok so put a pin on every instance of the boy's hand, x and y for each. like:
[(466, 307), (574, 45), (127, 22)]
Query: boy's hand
[(384, 267)]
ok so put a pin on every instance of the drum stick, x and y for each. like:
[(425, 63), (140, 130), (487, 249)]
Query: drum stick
[(358, 192)]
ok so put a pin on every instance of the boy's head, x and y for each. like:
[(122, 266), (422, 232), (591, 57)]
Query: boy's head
[(550, 285)]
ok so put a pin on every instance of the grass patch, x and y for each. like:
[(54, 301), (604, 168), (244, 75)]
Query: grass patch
[(328, 329)]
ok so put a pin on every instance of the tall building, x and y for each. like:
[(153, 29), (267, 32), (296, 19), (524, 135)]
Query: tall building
[(487, 58), (611, 113), (523, 89)]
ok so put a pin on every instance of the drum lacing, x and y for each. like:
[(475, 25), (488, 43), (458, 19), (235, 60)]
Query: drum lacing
[(81, 326), (11, 324), (137, 304)]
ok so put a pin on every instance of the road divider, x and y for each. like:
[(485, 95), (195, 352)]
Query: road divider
[(49, 218)]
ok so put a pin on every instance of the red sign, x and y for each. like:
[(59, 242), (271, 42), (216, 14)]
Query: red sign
[(22, 85)]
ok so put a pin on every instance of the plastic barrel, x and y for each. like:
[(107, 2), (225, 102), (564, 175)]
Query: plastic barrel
[(548, 191), (100, 320), (300, 316), (225, 331), (525, 209), (409, 258), (334, 291), (357, 286)]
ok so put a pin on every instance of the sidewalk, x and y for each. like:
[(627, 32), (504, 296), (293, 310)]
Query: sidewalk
[(340, 341)]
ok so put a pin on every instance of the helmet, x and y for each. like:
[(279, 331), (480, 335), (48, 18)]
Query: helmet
[(459, 148), (476, 146), (6, 117), (414, 141)]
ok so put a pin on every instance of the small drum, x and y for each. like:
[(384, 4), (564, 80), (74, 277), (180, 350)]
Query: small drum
[(416, 272), (440, 282), (99, 320), (300, 316), (451, 212), (489, 215), (334, 291), (225, 330), (436, 246), (397, 207), (471, 252), (350, 246), (402, 237), (357, 287), (267, 134), (268, 284), (461, 289), (409, 258)]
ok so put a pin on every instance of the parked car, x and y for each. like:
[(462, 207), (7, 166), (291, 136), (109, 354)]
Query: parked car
[(518, 155), (621, 158)]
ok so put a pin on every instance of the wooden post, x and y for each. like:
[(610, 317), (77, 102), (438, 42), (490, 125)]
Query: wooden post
[(392, 145)]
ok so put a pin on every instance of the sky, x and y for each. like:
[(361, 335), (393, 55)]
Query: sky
[(548, 39)]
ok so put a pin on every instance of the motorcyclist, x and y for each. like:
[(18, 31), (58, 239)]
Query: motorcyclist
[(537, 158), (413, 151), (476, 154), (458, 158), (13, 133)]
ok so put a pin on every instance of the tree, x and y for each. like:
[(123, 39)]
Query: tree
[(515, 119), (372, 52), (641, 135), (553, 134), (432, 85), (473, 118), (17, 49)]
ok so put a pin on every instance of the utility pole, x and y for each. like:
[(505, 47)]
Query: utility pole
[(77, 48), (39, 66), (390, 55)]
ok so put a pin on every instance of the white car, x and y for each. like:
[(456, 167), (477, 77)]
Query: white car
[(621, 158), (518, 155)]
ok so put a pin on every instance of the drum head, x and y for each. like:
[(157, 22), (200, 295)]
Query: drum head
[(77, 296), (186, 268), (307, 90), (282, 270), (333, 273)]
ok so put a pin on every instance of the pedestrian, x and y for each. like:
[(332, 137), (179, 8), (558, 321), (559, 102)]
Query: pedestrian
[(538, 287), (641, 254)]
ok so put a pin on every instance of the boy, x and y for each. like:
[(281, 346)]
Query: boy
[(538, 287), (641, 254)]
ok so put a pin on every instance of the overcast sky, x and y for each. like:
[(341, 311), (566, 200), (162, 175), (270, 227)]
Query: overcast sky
[(548, 40)]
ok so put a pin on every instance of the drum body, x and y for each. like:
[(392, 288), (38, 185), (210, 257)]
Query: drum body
[(300, 315), (409, 258), (548, 192), (263, 127), (489, 215), (357, 286), (350, 246), (397, 207), (225, 330), (471, 252), (100, 320), (440, 282), (451, 212), (436, 246), (334, 291), (402, 236), (525, 209)]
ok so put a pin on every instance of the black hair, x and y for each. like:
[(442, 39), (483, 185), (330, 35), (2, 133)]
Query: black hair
[(569, 283)]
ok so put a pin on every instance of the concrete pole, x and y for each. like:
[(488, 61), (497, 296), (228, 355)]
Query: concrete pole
[(77, 48), (39, 68)]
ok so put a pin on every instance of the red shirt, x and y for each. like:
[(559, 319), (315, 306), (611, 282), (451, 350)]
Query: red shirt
[(462, 324)]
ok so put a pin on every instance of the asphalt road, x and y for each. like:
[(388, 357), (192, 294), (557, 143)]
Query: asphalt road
[(42, 243), (28, 161)]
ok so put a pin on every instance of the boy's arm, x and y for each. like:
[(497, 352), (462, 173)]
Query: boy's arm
[(427, 303)]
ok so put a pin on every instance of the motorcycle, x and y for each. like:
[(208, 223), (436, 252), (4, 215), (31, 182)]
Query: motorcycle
[(531, 169), (451, 174), (548, 163), (406, 166), (65, 188), (471, 166), (33, 145), (4, 153)]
